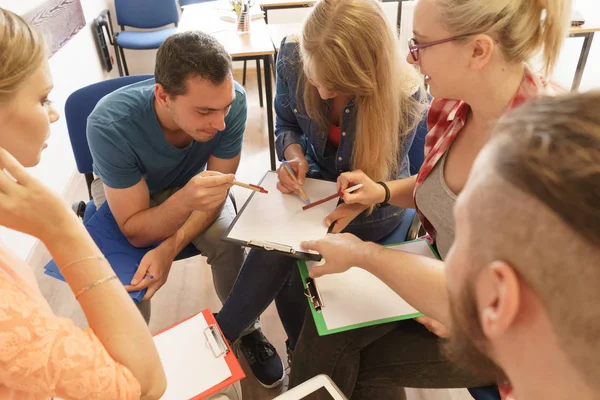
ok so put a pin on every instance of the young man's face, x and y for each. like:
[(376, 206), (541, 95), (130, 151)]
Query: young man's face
[(201, 111)]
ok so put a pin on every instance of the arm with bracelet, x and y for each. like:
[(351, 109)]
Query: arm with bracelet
[(115, 357), (398, 192)]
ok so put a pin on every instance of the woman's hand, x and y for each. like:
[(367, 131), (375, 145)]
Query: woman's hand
[(28, 206), (370, 193), (296, 159), (343, 215)]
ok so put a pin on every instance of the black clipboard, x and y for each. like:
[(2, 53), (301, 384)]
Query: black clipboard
[(266, 245)]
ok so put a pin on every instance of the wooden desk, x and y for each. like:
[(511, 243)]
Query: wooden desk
[(586, 31), (267, 5), (253, 45)]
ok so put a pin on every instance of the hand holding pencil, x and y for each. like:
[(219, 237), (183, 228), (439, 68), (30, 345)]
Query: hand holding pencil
[(291, 175)]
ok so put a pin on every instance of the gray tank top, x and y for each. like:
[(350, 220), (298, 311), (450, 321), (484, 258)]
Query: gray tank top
[(436, 202)]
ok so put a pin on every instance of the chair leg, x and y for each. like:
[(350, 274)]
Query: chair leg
[(244, 75), (124, 62), (259, 78), (118, 57)]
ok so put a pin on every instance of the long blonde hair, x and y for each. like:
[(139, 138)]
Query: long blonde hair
[(350, 48), (516, 24), (22, 50)]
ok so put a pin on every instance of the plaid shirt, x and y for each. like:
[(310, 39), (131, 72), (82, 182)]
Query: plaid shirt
[(446, 119)]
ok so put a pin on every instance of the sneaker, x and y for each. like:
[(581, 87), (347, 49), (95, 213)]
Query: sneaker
[(263, 359)]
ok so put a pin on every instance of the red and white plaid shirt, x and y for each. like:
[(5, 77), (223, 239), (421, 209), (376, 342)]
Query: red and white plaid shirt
[(446, 119)]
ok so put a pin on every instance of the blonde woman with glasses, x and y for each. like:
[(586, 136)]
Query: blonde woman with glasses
[(45, 356)]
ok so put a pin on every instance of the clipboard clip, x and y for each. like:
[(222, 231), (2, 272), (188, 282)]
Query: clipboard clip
[(312, 292), (215, 340), (270, 246)]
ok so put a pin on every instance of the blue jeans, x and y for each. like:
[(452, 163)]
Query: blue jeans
[(267, 276)]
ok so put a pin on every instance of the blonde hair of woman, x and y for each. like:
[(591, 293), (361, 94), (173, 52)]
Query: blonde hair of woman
[(43, 355), (383, 83), (515, 24)]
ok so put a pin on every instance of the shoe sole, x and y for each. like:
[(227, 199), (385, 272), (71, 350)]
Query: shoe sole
[(275, 384)]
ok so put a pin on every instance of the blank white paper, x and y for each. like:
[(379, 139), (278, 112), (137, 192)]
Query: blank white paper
[(357, 296), (188, 360), (278, 218)]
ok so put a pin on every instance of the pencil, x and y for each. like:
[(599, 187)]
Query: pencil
[(333, 196), (256, 188), (293, 176)]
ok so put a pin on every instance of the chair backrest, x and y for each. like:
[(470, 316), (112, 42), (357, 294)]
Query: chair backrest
[(146, 14), (78, 107), (416, 154)]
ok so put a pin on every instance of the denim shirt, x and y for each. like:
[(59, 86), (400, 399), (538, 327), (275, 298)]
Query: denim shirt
[(294, 126)]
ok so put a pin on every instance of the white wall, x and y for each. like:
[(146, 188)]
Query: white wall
[(75, 65)]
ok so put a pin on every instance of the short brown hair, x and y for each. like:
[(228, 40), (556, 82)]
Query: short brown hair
[(22, 50), (187, 55), (538, 209), (553, 154)]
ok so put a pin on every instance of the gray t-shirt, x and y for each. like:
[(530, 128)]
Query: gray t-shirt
[(436, 202)]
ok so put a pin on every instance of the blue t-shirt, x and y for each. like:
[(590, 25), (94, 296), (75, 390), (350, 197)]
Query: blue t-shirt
[(127, 142)]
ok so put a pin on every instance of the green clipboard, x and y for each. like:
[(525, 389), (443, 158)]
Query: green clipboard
[(315, 302)]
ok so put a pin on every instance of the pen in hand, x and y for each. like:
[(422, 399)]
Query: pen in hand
[(290, 171)]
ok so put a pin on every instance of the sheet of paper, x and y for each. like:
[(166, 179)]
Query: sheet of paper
[(357, 296), (278, 218), (188, 360)]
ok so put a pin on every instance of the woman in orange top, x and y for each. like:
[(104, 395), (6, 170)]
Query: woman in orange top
[(42, 355)]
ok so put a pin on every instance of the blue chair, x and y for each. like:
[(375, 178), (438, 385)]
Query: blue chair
[(100, 223), (410, 226), (143, 14)]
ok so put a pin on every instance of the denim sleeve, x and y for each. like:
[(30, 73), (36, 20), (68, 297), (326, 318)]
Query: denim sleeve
[(287, 129)]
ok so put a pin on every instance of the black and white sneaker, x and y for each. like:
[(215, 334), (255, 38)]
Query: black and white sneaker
[(263, 359)]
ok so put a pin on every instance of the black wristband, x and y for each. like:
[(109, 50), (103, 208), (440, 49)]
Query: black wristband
[(387, 194)]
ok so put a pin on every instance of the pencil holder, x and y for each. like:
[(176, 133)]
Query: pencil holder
[(243, 21)]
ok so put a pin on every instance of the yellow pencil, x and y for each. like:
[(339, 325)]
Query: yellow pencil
[(293, 176)]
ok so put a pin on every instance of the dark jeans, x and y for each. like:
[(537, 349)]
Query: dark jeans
[(267, 276), (376, 362)]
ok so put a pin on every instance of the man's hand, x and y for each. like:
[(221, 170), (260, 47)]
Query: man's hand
[(153, 271), (340, 252), (343, 215), (206, 191)]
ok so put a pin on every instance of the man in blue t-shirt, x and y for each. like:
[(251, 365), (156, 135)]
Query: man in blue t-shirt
[(165, 151)]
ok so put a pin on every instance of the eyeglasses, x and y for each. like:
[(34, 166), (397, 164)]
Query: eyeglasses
[(414, 47)]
